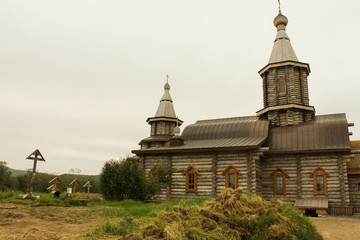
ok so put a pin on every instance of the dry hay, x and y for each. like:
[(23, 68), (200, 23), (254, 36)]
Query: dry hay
[(231, 215)]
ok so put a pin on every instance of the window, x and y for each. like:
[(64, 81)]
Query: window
[(279, 180), (231, 177), (358, 187), (191, 179), (282, 86), (319, 176)]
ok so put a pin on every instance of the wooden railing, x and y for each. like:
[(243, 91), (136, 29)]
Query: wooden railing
[(343, 210)]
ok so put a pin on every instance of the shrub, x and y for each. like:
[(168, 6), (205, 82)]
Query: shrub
[(5, 179), (126, 179)]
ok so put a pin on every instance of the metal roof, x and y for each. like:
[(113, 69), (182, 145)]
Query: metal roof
[(227, 128), (282, 49), (166, 107), (322, 133), (312, 203), (220, 134)]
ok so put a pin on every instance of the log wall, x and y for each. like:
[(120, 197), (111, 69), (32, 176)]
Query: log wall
[(299, 184), (256, 175), (149, 162), (354, 179)]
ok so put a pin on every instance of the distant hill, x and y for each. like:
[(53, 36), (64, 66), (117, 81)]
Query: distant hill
[(15, 172)]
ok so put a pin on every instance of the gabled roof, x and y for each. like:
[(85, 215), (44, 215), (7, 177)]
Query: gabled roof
[(324, 133)]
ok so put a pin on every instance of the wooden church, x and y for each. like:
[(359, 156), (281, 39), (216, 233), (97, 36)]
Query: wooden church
[(285, 151)]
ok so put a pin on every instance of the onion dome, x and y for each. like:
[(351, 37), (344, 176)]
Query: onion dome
[(177, 131), (280, 21)]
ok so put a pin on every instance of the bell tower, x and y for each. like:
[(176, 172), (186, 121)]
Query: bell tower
[(163, 123), (285, 85)]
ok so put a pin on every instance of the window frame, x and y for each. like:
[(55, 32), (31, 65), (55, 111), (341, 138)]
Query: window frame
[(279, 172), (322, 173), (228, 171), (190, 170)]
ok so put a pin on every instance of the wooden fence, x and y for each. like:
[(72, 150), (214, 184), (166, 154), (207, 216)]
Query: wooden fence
[(343, 210), (356, 209)]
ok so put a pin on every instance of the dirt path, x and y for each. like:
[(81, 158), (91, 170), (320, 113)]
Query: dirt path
[(338, 228), (25, 222)]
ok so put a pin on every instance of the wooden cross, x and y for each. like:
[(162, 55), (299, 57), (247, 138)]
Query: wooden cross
[(88, 185), (55, 181), (36, 156), (73, 184)]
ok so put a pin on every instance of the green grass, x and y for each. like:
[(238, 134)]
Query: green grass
[(133, 215), (45, 199)]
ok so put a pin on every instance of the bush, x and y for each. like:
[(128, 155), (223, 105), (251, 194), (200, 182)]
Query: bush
[(126, 179), (5, 179)]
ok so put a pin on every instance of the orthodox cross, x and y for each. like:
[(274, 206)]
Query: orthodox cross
[(54, 182), (88, 185), (36, 156), (167, 78), (73, 184)]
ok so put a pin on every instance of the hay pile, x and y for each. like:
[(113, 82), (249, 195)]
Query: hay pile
[(231, 215)]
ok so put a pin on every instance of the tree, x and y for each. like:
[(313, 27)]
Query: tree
[(5, 176), (126, 179)]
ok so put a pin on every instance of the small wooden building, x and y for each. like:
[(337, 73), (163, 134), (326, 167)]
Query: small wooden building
[(285, 151)]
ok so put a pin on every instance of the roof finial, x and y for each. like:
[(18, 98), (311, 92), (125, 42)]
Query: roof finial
[(167, 86), (279, 7)]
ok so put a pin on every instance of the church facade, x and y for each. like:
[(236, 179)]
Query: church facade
[(285, 151)]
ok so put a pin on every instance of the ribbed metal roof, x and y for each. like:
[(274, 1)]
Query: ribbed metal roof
[(227, 128), (322, 133), (282, 49), (312, 203), (216, 134)]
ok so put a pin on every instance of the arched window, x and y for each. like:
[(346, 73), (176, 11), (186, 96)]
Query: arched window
[(282, 86), (319, 176), (231, 177), (191, 179), (279, 180)]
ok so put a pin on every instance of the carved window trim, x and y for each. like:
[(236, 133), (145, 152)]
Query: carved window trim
[(279, 173), (281, 86), (324, 174), (231, 169), (190, 172)]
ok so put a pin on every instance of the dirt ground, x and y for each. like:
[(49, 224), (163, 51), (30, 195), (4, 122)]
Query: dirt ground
[(338, 228), (33, 223)]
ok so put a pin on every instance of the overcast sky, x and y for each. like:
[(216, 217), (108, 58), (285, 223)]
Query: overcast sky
[(79, 78)]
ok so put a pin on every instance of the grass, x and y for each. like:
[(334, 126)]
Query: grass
[(133, 215), (231, 215)]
